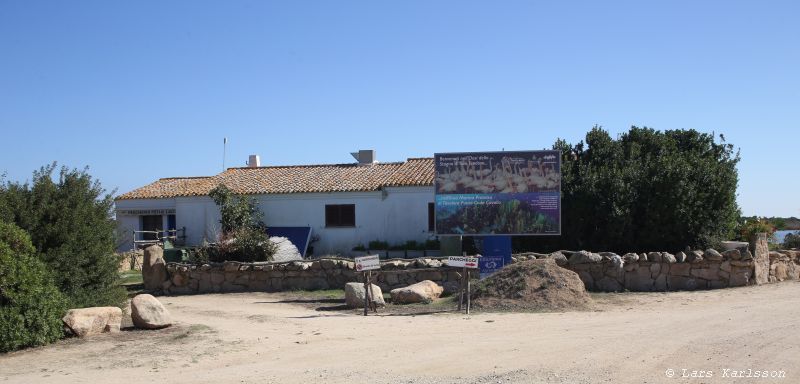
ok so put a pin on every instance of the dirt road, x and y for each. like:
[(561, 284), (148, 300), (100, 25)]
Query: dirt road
[(262, 338)]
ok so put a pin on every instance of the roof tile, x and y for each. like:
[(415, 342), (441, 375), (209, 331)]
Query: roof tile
[(295, 179)]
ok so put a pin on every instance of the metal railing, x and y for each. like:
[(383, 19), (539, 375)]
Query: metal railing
[(176, 236)]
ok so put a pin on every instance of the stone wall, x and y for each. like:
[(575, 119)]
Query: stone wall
[(661, 271), (131, 261), (604, 271), (328, 273), (784, 265)]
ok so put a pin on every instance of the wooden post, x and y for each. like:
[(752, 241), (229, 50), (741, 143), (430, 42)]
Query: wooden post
[(468, 292), (366, 293), (371, 294)]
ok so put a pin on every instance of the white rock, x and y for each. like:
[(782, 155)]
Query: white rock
[(422, 292), (92, 321), (354, 295), (148, 313)]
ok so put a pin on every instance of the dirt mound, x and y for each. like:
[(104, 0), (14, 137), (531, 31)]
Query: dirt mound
[(534, 285)]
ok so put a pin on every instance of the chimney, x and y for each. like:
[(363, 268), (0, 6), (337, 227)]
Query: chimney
[(254, 161), (365, 156)]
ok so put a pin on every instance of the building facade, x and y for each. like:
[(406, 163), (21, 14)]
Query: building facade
[(345, 205)]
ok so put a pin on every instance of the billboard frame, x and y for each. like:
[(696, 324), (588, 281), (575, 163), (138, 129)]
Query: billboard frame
[(436, 193)]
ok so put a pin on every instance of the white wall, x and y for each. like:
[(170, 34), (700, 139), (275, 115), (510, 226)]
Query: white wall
[(200, 216), (401, 216), (397, 215), (126, 224)]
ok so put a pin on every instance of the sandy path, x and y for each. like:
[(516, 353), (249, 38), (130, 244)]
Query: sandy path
[(253, 338)]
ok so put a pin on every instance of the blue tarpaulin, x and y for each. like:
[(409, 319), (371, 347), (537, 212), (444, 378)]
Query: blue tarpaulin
[(299, 236)]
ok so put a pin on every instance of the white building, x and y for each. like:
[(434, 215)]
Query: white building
[(344, 204)]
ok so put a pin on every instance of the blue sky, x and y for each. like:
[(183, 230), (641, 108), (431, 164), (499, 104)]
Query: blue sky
[(142, 90)]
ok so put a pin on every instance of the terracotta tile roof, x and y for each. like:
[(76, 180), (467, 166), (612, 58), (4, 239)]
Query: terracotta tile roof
[(295, 179)]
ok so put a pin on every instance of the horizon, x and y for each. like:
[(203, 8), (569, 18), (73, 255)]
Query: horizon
[(138, 92)]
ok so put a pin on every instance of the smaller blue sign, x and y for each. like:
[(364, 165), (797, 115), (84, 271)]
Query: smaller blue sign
[(490, 265), (496, 254)]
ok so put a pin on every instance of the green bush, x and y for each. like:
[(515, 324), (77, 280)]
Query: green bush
[(792, 240), (244, 236), (646, 189), (69, 219), (237, 211), (750, 228), (377, 244), (432, 244), (31, 306)]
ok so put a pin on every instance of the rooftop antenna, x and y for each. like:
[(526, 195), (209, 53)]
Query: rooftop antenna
[(224, 145)]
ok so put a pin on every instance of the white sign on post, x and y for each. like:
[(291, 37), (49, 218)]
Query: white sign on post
[(367, 263), (462, 261)]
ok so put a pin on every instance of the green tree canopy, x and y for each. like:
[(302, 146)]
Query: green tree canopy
[(645, 190), (69, 219), (31, 306)]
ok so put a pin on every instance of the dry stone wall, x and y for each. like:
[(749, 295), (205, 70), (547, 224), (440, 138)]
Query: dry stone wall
[(604, 271), (328, 273)]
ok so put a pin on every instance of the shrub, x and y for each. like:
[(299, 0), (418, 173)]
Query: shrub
[(646, 189), (244, 236), (236, 211), (752, 227), (69, 220), (432, 244), (360, 247), (31, 306), (377, 244), (792, 240)]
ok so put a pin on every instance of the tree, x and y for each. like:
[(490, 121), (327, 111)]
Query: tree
[(31, 306), (69, 220), (237, 211), (645, 190), (244, 236)]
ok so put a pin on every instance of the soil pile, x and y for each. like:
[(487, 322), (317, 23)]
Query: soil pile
[(533, 285)]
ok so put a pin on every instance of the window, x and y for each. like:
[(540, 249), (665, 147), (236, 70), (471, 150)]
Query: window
[(340, 215), (431, 217)]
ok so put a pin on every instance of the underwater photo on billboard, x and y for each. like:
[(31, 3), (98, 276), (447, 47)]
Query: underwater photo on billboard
[(498, 193)]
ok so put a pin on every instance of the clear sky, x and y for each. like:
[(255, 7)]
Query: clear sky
[(139, 90)]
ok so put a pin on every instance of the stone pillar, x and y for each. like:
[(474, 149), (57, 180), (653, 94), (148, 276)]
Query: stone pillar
[(154, 270), (760, 249)]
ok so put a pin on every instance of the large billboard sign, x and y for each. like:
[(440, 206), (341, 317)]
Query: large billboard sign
[(498, 193)]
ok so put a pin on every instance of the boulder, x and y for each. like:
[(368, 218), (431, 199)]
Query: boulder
[(654, 257), (668, 258), (694, 256), (680, 257), (148, 313), (92, 321), (712, 255), (630, 257), (559, 258), (617, 262), (607, 284), (732, 254), (584, 257), (354, 295), (154, 271), (422, 292)]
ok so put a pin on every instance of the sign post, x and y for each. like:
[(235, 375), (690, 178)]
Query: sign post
[(466, 263), (366, 265)]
